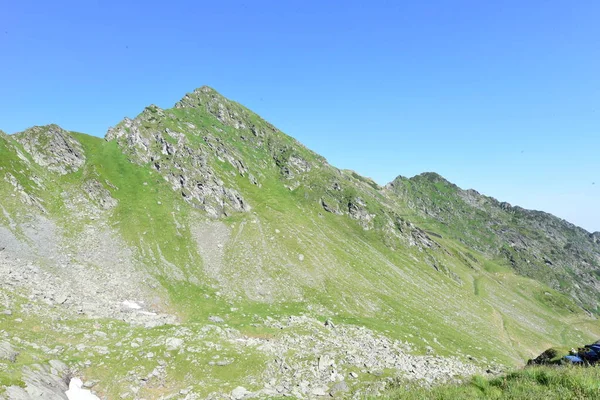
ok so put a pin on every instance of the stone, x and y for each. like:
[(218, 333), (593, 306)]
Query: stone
[(340, 387), (173, 344), (7, 352), (319, 391), (61, 299), (216, 319), (239, 393), (324, 362), (58, 367)]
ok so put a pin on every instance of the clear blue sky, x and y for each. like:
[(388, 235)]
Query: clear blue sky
[(503, 97)]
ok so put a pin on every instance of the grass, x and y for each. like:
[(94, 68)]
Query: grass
[(367, 277), (530, 383)]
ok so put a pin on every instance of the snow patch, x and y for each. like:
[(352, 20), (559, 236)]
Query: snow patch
[(75, 391), (132, 304)]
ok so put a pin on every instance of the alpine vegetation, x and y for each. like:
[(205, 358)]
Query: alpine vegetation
[(198, 252)]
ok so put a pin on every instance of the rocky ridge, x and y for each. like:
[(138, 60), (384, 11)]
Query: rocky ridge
[(533, 243)]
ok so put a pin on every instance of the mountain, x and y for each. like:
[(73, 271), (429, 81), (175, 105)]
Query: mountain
[(533, 243), (199, 252)]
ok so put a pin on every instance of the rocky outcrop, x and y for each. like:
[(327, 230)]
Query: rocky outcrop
[(99, 194), (183, 164), (53, 148), (42, 382), (25, 197), (357, 209), (208, 98), (7, 352), (330, 206)]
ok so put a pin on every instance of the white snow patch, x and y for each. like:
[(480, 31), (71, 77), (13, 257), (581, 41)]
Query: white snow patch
[(132, 304), (75, 391)]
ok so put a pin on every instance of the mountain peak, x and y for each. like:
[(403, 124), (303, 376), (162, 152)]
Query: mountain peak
[(52, 147), (198, 97), (431, 176)]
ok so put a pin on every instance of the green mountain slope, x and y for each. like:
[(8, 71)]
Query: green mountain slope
[(534, 244), (204, 223)]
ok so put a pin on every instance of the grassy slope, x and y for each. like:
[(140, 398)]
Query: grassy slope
[(530, 383), (472, 305), (533, 244)]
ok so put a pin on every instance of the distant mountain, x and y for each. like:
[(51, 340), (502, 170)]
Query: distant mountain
[(198, 251), (533, 243)]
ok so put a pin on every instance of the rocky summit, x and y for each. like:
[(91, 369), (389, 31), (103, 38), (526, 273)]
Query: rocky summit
[(198, 252)]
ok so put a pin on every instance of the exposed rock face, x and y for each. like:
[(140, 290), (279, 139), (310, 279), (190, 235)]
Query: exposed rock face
[(99, 194), (24, 196), (417, 237), (42, 382), (330, 207), (184, 165), (7, 352), (357, 209), (53, 148)]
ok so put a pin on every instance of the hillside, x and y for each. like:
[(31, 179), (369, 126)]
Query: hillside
[(199, 252)]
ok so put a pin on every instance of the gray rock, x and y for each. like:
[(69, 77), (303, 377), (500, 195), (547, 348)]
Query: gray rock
[(58, 368), (40, 383), (239, 393), (216, 319), (17, 393), (319, 391), (173, 344), (61, 298), (7, 352), (89, 384), (340, 387), (324, 362)]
